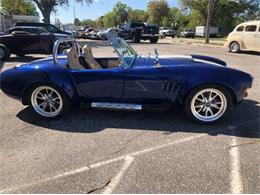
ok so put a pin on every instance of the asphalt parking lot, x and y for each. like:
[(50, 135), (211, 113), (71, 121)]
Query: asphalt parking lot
[(97, 151)]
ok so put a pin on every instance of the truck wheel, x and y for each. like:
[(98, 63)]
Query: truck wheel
[(154, 40), (4, 53), (135, 38)]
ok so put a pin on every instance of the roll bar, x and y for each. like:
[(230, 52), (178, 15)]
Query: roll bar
[(57, 45)]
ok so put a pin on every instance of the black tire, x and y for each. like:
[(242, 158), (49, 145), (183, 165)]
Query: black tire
[(4, 53), (136, 38), (234, 47), (154, 40), (66, 103), (192, 94), (173, 36)]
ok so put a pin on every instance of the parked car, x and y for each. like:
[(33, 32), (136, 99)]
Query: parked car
[(93, 35), (28, 29), (80, 34), (137, 31), (109, 33), (245, 37), (188, 33), (48, 27), (205, 86), (87, 32), (167, 32), (29, 40)]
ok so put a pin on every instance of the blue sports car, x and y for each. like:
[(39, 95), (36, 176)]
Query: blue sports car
[(205, 87)]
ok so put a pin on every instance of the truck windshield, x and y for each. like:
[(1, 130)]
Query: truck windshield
[(126, 53)]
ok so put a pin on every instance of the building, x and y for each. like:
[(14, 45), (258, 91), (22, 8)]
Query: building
[(7, 21)]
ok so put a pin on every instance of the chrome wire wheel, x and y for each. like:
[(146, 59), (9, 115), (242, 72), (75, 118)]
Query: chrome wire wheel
[(47, 101), (208, 105)]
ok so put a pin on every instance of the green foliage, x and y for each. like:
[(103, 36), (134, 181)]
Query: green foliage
[(137, 15), (158, 12), (88, 22), (226, 14), (76, 22), (120, 12), (19, 7), (48, 6)]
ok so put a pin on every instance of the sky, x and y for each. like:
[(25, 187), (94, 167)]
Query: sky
[(96, 9)]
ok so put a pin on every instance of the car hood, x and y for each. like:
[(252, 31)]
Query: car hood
[(175, 60)]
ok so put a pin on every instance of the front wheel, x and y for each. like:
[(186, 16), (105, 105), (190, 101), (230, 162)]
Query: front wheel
[(208, 104), (49, 102)]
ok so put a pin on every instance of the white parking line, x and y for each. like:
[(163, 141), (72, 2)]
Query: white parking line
[(235, 176), (115, 181), (236, 184), (95, 165)]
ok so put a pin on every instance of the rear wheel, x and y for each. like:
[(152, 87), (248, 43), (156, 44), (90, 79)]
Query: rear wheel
[(4, 53), (49, 102), (234, 47), (154, 40), (208, 104)]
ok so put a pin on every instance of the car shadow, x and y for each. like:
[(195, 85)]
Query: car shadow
[(90, 121), (249, 53)]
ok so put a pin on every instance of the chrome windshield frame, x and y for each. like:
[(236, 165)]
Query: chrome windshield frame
[(114, 41), (57, 45)]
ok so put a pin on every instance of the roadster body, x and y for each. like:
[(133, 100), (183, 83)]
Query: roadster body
[(205, 86)]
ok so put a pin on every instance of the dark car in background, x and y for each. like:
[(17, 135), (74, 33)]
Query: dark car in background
[(48, 27), (137, 31), (187, 33), (27, 40)]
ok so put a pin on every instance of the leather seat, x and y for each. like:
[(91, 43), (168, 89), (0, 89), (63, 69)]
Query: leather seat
[(89, 58), (73, 59)]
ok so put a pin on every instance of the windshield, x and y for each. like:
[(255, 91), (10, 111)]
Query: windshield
[(126, 53)]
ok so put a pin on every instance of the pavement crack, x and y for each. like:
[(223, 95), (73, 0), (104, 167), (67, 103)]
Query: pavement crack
[(244, 144), (126, 143), (100, 188)]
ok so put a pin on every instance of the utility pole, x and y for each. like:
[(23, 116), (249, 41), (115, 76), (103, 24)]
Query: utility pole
[(209, 16)]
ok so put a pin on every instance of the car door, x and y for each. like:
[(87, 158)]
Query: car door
[(100, 84), (149, 82), (26, 42), (257, 39), (250, 37)]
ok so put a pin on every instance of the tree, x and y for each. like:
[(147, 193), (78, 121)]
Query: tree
[(77, 22), (137, 15), (88, 22), (120, 10), (19, 7), (48, 6), (226, 13), (157, 10)]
